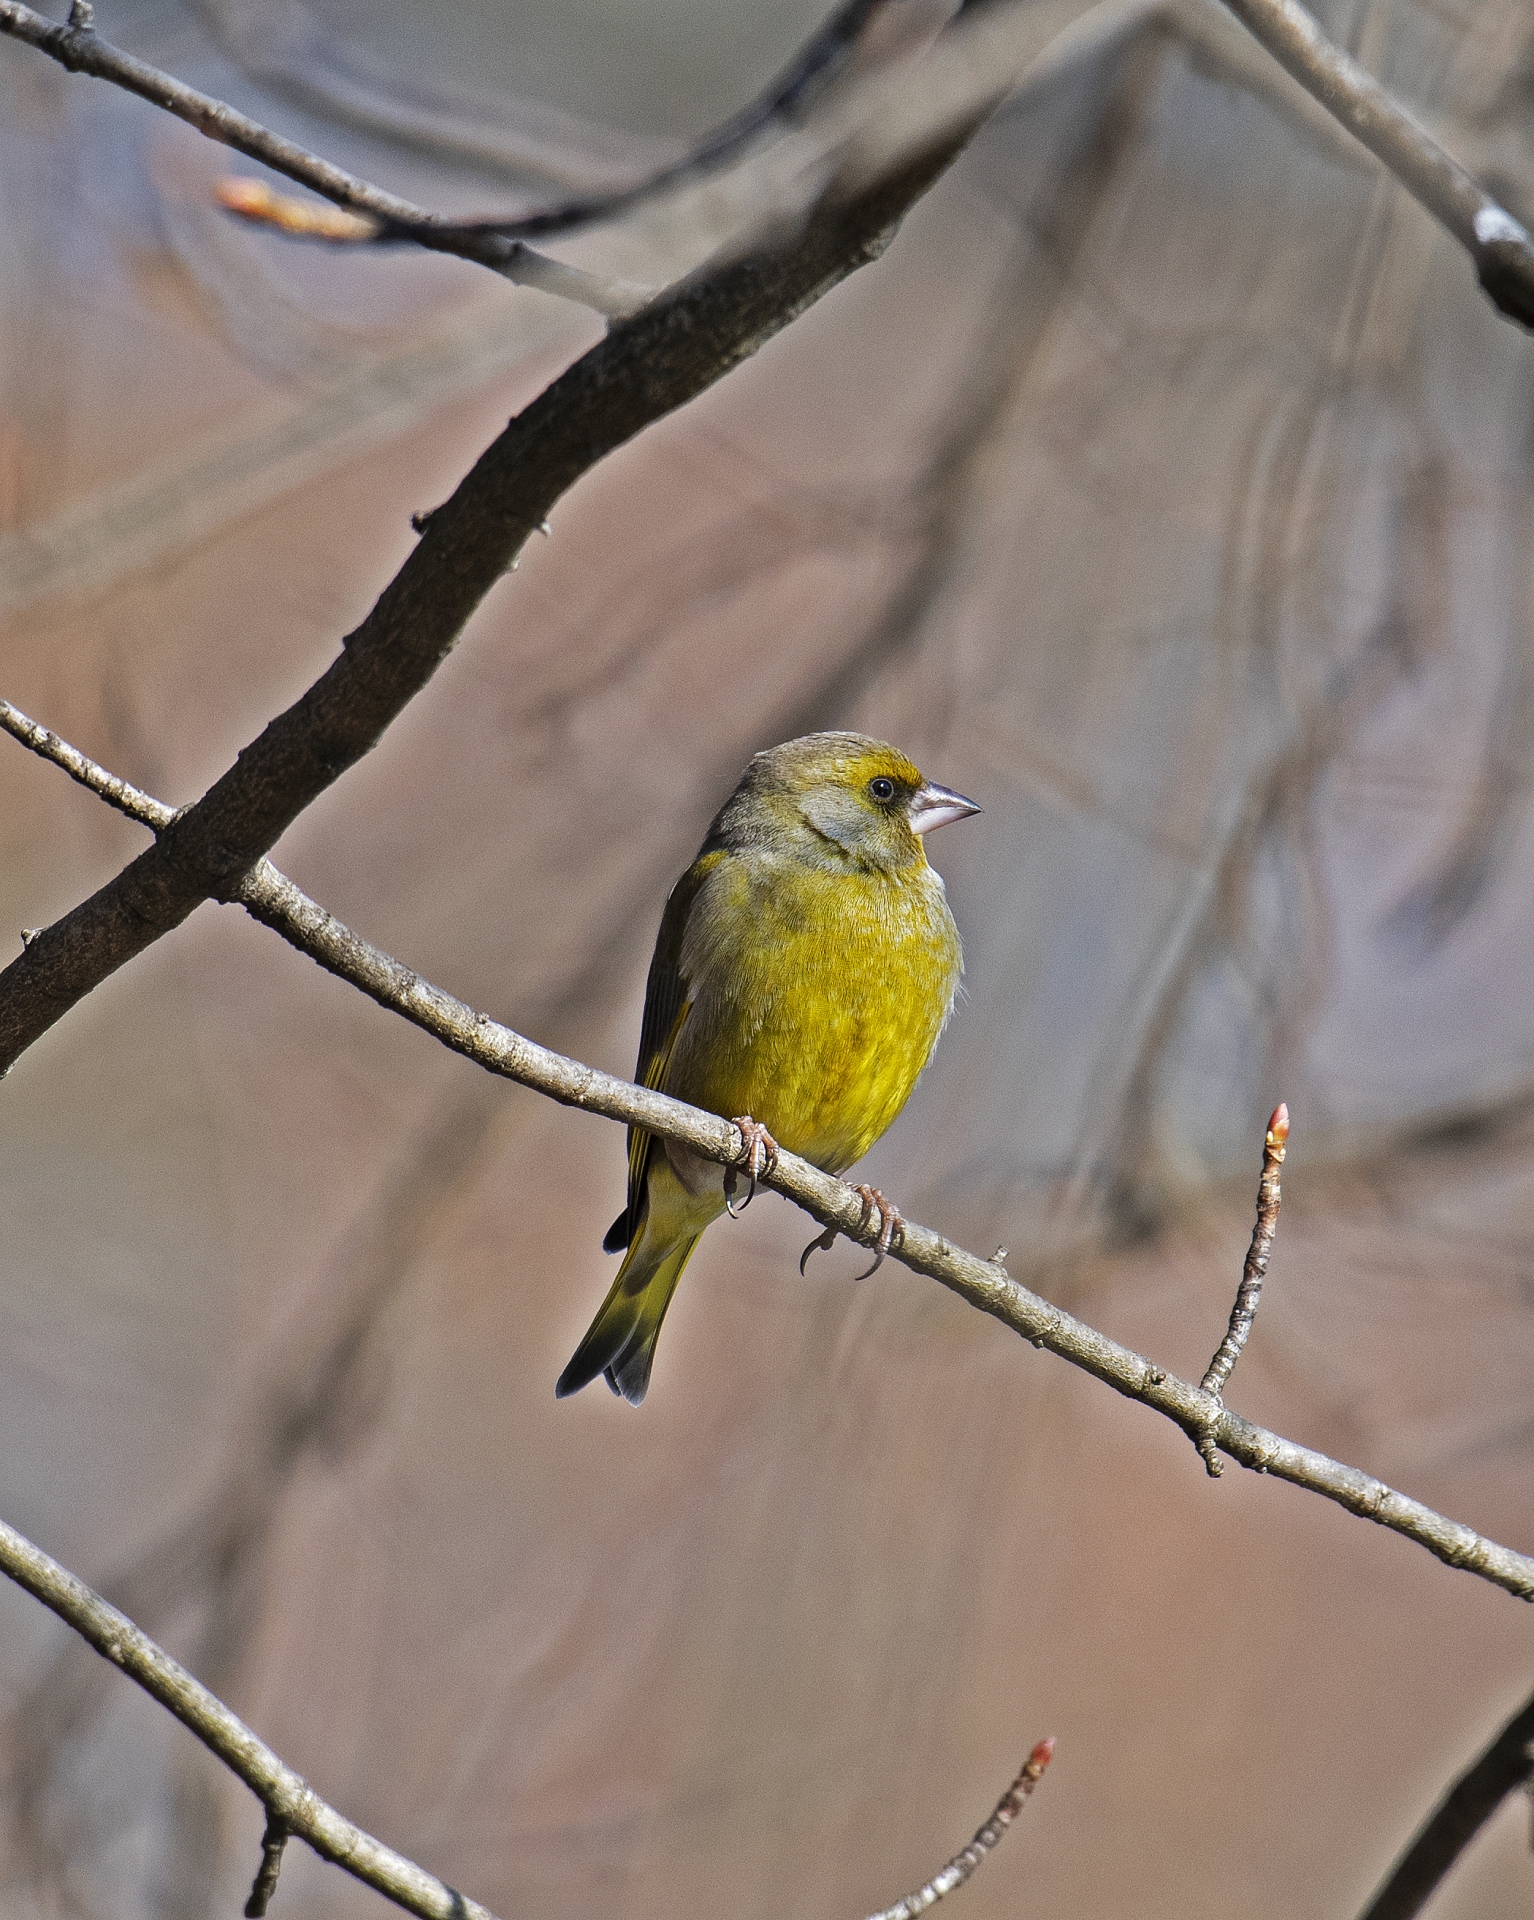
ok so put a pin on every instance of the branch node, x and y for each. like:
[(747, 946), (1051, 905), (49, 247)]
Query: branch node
[(82, 17), (29, 934), (265, 1884)]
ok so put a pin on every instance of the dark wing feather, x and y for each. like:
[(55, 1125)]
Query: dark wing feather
[(666, 1007)]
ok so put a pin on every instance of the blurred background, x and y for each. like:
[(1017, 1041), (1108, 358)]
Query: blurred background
[(1167, 487)]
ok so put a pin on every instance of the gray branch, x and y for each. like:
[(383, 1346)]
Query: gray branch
[(274, 900), (1495, 241), (287, 1797), (77, 46), (962, 1865)]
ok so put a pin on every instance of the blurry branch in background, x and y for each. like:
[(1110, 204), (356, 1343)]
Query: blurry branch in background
[(1475, 1796), (286, 47), (962, 1865), (1249, 1293), (274, 900), (291, 1805), (848, 139)]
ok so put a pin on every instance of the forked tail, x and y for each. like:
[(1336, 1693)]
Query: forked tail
[(620, 1342)]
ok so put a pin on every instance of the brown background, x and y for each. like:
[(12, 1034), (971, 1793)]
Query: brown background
[(1167, 488)]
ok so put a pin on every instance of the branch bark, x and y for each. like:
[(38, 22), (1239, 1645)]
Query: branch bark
[(287, 1797), (272, 898)]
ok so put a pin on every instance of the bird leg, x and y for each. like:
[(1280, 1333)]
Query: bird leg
[(758, 1156), (891, 1229)]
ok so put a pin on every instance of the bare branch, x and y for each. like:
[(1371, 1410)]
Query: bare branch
[(287, 1797), (273, 1845), (1475, 1796), (77, 46), (274, 900), (665, 355), (962, 1865), (1495, 241), (1249, 1293)]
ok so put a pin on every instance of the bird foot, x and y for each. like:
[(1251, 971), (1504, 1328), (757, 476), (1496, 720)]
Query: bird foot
[(891, 1231), (758, 1156)]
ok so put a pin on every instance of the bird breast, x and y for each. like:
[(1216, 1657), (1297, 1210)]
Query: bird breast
[(816, 997)]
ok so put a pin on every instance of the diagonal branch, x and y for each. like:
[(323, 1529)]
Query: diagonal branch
[(77, 46), (1506, 1764), (1495, 241), (274, 900), (646, 367), (287, 1797), (962, 1865)]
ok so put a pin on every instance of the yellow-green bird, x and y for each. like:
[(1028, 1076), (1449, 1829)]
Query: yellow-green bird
[(806, 964)]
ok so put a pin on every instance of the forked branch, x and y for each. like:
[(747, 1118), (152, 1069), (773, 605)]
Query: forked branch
[(290, 1802)]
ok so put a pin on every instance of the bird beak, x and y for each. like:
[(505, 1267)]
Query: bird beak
[(934, 806)]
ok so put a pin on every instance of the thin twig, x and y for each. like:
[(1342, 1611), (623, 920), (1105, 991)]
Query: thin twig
[(1506, 1764), (77, 46), (274, 900), (286, 1795), (273, 1844), (1249, 1293), (1497, 243), (962, 1865)]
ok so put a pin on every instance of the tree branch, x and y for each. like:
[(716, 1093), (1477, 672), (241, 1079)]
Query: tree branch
[(646, 367), (962, 1865), (1497, 243), (274, 900), (77, 46), (1475, 1796), (1243, 1314), (287, 1797)]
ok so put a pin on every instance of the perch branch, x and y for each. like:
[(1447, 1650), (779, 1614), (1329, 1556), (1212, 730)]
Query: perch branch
[(288, 1799), (1475, 1796), (1496, 242), (1249, 1293), (274, 900), (651, 364), (962, 1865)]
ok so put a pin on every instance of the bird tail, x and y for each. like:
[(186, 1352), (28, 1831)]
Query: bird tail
[(621, 1340)]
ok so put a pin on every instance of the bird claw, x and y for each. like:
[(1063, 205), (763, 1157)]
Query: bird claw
[(825, 1241), (891, 1232), (891, 1225), (758, 1156)]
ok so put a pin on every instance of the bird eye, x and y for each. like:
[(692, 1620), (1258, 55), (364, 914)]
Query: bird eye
[(882, 789)]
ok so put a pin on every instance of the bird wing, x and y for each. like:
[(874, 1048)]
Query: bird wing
[(666, 1007)]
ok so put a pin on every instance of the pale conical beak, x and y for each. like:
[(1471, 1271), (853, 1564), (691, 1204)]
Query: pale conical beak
[(935, 806)]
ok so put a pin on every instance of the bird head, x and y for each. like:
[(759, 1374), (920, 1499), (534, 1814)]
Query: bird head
[(838, 799)]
